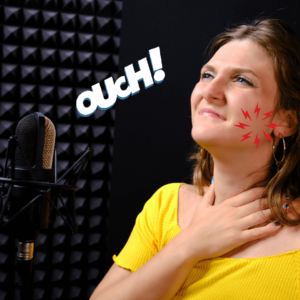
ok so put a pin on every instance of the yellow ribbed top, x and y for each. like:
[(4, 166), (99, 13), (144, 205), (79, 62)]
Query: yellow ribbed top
[(275, 277)]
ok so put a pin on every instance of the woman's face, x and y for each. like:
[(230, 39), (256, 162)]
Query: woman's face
[(229, 92)]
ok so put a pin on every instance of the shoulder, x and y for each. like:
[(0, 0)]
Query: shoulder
[(171, 187), (190, 190), (163, 201), (168, 191), (171, 195), (163, 196)]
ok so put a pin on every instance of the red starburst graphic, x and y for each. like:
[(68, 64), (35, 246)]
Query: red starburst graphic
[(256, 141), (246, 114), (257, 109), (268, 114), (267, 135), (241, 125), (247, 135), (272, 125)]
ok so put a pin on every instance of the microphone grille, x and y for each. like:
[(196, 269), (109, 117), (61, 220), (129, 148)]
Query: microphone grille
[(49, 143), (26, 132)]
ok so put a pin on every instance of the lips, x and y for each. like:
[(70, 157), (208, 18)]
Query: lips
[(207, 110)]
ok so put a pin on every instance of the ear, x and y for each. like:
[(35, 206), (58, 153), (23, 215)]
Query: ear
[(287, 120)]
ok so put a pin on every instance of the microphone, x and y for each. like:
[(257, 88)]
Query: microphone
[(34, 189), (33, 160)]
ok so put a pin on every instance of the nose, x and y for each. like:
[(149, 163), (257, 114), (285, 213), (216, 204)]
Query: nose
[(213, 91)]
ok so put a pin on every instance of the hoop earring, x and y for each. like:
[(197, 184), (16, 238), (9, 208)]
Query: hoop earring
[(283, 156), (203, 153)]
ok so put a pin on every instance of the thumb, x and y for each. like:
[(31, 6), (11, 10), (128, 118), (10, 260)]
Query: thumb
[(209, 196)]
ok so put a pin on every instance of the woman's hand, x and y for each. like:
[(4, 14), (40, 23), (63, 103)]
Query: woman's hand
[(292, 210), (216, 230)]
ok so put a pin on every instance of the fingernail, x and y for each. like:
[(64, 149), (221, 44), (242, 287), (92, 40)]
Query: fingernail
[(276, 223), (212, 180), (286, 197), (285, 206)]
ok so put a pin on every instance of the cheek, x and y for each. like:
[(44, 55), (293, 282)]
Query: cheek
[(242, 107), (246, 112)]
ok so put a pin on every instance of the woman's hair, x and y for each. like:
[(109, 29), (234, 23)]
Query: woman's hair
[(279, 40)]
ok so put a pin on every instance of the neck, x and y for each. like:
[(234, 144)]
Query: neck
[(235, 174)]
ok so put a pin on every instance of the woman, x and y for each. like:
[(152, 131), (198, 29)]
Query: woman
[(245, 117)]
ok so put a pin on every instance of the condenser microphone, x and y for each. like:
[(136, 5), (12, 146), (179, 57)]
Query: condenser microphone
[(35, 135), (30, 203)]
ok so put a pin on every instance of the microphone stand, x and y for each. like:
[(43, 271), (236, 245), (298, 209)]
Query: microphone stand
[(25, 248)]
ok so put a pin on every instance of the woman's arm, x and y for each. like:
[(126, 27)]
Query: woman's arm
[(160, 278), (114, 275), (213, 231)]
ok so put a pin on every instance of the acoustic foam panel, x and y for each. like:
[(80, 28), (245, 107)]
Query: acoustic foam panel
[(51, 51)]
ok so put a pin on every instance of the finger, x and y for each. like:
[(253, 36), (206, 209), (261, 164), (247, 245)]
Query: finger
[(256, 218), (292, 209), (259, 232), (209, 196), (247, 196), (250, 208)]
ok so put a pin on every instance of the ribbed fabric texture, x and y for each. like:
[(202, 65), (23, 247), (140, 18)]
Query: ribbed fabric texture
[(271, 277)]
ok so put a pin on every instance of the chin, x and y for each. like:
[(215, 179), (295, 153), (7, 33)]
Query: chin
[(202, 135)]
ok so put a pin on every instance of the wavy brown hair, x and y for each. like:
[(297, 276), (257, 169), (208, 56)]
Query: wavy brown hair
[(279, 40)]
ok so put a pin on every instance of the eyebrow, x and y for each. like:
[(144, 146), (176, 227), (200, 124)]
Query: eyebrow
[(235, 70)]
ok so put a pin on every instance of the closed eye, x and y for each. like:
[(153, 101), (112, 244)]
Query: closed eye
[(240, 77)]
